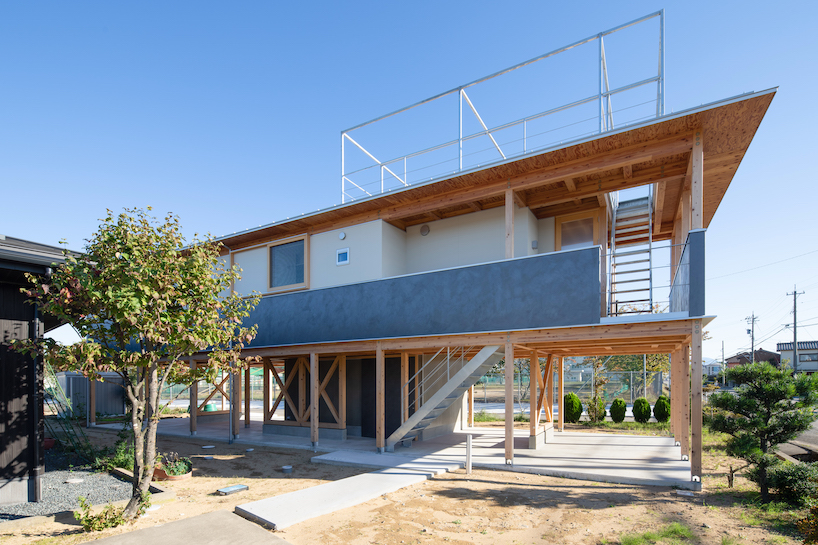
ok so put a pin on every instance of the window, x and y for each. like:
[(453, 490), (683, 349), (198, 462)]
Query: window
[(578, 230), (288, 265), (807, 357), (342, 257)]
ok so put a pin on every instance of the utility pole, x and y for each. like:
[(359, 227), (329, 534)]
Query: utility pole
[(752, 332), (795, 295), (723, 365)]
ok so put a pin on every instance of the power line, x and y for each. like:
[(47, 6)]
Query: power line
[(762, 266)]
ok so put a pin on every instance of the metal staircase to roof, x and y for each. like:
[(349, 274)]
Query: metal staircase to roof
[(631, 263), (448, 376)]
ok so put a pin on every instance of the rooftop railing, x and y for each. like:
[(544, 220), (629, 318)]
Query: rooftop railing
[(368, 173)]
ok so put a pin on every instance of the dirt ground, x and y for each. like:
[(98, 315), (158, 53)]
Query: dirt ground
[(484, 507)]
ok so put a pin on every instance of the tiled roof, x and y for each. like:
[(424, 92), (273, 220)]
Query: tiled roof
[(802, 345)]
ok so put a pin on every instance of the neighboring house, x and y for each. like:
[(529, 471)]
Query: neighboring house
[(760, 355), (21, 376), (379, 314), (807, 356), (713, 368)]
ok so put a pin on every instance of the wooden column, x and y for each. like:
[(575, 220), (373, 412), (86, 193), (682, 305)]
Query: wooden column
[(380, 391), (470, 417), (194, 401), (674, 409), (509, 378), (697, 182), (267, 363), (404, 385), (686, 205), (92, 403), (549, 390), (696, 401), (509, 204), (685, 398), (235, 400), (561, 394), (534, 394), (315, 396), (603, 241), (247, 395), (342, 391)]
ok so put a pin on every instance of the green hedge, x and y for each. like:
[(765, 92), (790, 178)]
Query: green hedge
[(641, 410), (573, 408), (618, 408), (661, 409)]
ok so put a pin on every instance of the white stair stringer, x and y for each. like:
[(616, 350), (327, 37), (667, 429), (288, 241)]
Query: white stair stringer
[(448, 393)]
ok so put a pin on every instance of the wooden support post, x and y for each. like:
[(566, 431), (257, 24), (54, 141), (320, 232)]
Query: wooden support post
[(92, 403), (685, 404), (603, 241), (534, 394), (418, 398), (509, 204), (470, 417), (194, 401), (549, 390), (248, 392), (235, 400), (561, 395), (267, 363), (509, 378), (380, 391), (697, 182), (342, 391), (674, 410), (302, 389), (686, 212), (696, 405), (404, 385), (315, 397)]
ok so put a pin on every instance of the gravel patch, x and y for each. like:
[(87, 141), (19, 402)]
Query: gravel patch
[(58, 495)]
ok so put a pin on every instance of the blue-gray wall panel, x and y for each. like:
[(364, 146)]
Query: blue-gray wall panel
[(540, 291)]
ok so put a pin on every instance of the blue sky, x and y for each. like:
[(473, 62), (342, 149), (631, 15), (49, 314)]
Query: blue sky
[(229, 114)]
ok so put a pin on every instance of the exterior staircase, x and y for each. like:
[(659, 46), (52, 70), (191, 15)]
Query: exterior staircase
[(451, 376), (631, 264)]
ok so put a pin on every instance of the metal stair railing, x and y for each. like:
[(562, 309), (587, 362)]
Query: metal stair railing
[(430, 374), (468, 373)]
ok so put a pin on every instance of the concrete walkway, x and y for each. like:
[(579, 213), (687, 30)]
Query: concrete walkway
[(282, 511), (216, 528)]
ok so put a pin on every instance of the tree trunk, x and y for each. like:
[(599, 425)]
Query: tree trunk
[(145, 423)]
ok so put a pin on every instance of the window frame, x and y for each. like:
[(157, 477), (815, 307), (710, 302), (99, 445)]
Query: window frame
[(559, 220), (290, 287)]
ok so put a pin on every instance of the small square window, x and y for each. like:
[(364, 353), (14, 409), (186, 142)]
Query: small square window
[(342, 257)]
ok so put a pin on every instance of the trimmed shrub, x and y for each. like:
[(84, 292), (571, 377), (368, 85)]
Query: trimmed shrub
[(573, 408), (641, 410), (793, 483), (661, 409), (618, 408), (596, 409)]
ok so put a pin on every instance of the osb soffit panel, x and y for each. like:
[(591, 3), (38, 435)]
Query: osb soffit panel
[(729, 129)]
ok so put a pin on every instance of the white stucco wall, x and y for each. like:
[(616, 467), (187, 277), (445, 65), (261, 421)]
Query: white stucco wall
[(254, 274), (472, 238), (394, 250), (546, 235), (365, 255)]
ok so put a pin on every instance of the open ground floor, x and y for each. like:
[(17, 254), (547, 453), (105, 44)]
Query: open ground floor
[(394, 395)]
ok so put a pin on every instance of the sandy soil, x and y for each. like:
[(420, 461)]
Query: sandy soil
[(484, 507)]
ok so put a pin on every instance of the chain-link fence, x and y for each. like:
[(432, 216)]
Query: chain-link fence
[(627, 385)]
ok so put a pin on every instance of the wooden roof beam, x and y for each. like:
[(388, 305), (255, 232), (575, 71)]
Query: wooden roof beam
[(627, 172), (518, 199), (582, 167), (592, 188), (569, 184), (476, 206)]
